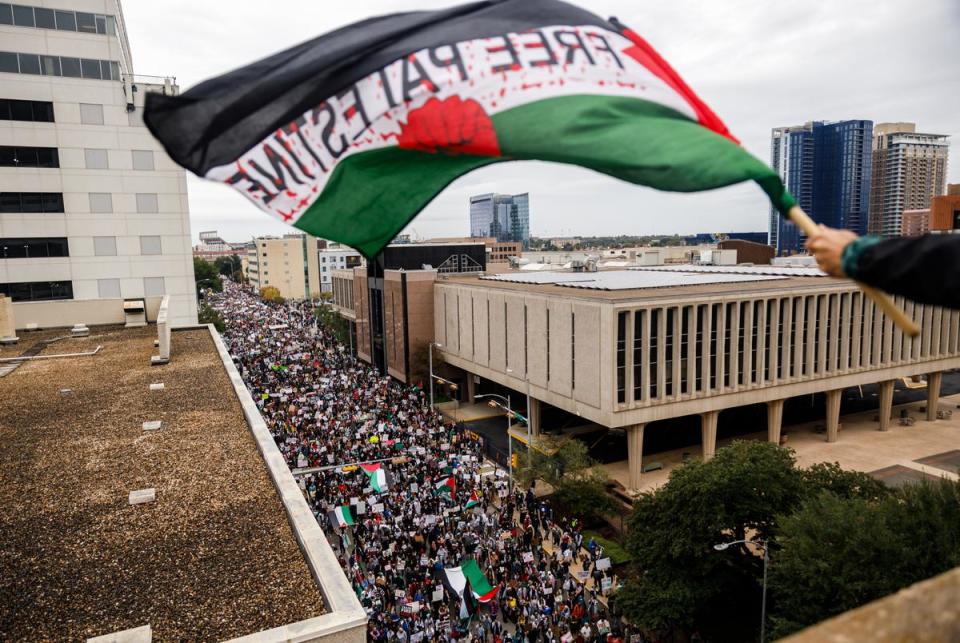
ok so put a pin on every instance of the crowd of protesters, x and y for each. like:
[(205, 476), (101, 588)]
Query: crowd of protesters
[(442, 506)]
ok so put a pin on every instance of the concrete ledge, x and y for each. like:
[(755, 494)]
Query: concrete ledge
[(142, 634), (157, 360), (346, 618), (926, 611)]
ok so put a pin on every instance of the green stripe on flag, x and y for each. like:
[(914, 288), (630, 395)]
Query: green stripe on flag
[(371, 196)]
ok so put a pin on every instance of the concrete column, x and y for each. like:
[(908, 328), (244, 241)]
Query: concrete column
[(635, 454), (774, 420), (708, 433), (886, 404), (933, 394), (471, 388), (534, 413), (833, 414)]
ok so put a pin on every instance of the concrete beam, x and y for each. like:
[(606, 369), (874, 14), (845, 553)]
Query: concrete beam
[(886, 404), (933, 394), (708, 433), (833, 414), (774, 420), (635, 454)]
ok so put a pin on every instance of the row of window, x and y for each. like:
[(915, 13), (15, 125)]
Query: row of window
[(100, 202), (94, 159), (22, 156), (53, 290), (33, 247), (28, 247), (43, 18), (31, 202), (67, 66), (39, 111), (708, 347)]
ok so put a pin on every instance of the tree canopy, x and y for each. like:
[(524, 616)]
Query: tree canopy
[(837, 539), (206, 275)]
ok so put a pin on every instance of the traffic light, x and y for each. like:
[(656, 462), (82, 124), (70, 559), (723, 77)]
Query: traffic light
[(514, 460)]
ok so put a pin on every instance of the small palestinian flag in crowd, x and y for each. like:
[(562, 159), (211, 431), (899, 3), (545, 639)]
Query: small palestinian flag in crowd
[(469, 583), (447, 488), (474, 500), (380, 478), (350, 135), (341, 517)]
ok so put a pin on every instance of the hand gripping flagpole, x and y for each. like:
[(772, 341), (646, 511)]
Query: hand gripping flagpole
[(881, 299)]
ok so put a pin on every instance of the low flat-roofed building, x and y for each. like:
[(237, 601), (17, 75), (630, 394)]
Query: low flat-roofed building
[(227, 548), (627, 347)]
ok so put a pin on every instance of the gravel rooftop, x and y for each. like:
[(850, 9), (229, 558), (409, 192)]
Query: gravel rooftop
[(212, 558)]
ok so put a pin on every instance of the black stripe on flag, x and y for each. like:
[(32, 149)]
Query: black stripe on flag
[(214, 123)]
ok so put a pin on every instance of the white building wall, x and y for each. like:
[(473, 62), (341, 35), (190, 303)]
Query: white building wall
[(137, 274)]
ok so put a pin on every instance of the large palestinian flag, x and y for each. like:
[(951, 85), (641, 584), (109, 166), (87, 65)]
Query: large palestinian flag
[(349, 135), (446, 488)]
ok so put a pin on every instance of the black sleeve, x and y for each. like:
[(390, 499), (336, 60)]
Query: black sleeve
[(925, 269)]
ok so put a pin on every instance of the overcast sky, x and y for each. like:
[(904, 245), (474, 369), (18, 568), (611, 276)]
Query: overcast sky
[(759, 64)]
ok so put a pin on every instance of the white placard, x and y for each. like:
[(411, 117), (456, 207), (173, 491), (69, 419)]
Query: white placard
[(377, 508), (437, 595), (528, 556), (603, 563)]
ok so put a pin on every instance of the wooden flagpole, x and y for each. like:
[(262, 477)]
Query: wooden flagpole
[(881, 299)]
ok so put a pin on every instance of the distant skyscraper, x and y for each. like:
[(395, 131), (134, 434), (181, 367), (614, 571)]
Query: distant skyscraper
[(826, 166), (909, 169), (501, 216)]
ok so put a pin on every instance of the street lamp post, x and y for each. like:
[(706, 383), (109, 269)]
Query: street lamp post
[(529, 413), (509, 417), (762, 544)]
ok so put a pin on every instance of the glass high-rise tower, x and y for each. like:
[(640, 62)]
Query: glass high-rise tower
[(504, 217), (827, 168)]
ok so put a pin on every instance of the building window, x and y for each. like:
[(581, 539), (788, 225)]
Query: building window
[(37, 111), (105, 246), (654, 356), (147, 204), (31, 202), (621, 357), (42, 18), (33, 247), (573, 350), (19, 156), (38, 290), (108, 288), (96, 159), (142, 159), (91, 114), (150, 245), (66, 66), (101, 202), (153, 287)]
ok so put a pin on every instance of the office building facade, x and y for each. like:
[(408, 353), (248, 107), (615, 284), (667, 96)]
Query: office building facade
[(92, 210), (909, 170), (827, 168), (504, 217), (288, 263), (625, 348), (336, 257)]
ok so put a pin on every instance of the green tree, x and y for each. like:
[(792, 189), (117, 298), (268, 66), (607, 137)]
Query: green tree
[(331, 320), (841, 552), (679, 581), (209, 315), (828, 476), (579, 486), (206, 275), (229, 267)]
